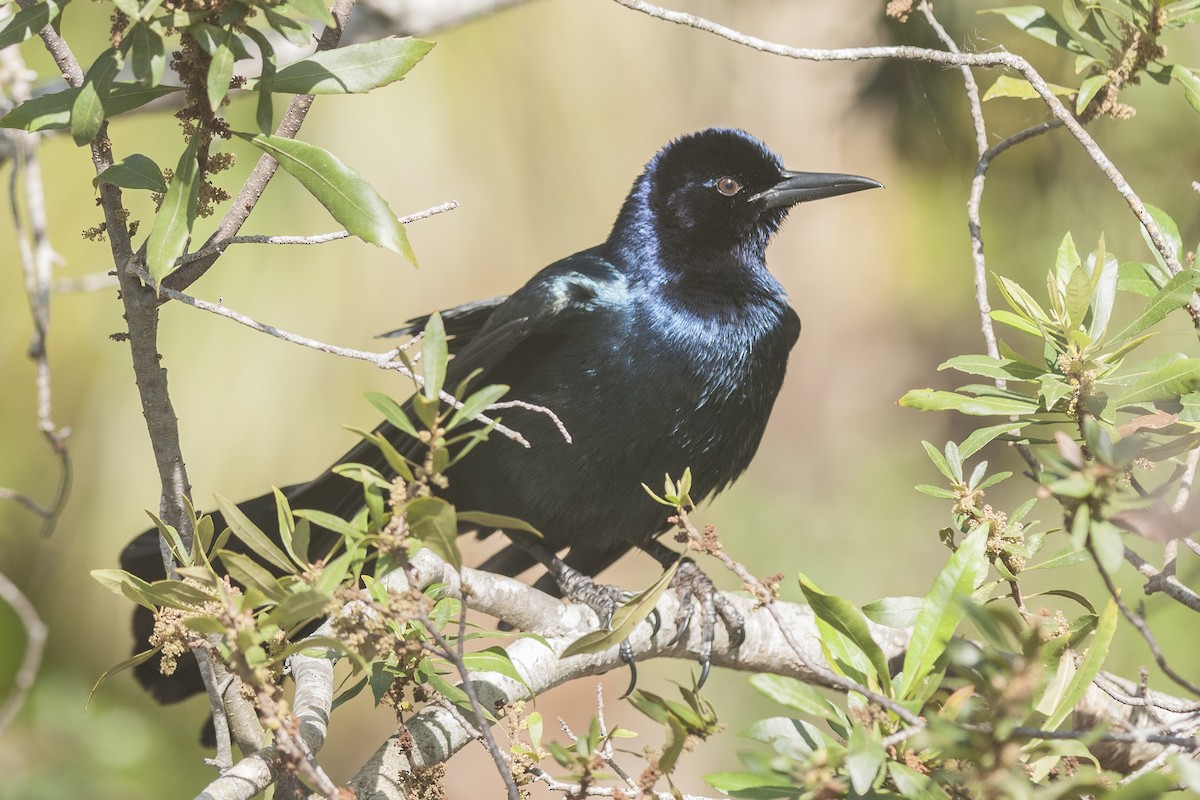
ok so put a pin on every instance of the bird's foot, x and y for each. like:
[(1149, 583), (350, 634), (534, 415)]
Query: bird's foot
[(604, 599), (690, 583)]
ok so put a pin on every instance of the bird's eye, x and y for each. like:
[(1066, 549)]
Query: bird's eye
[(728, 186)]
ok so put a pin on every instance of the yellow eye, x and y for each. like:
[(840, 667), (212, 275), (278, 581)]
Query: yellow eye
[(728, 186)]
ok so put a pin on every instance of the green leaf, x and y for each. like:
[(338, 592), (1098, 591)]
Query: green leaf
[(494, 659), (793, 738), (173, 226), (845, 617), (87, 112), (894, 612), (1089, 89), (1088, 668), (1168, 382), (497, 522), (128, 663), (1169, 230), (135, 171), (989, 367), (476, 404), (1015, 321), (1151, 786), (795, 695), (1078, 297), (53, 111), (931, 400), (432, 521), (1066, 558), (865, 756), (28, 21), (1104, 289), (392, 412), (252, 575), (258, 542), (177, 594), (352, 69), (1139, 277), (752, 785), (147, 53), (943, 609), (1190, 83), (1009, 86), (983, 436), (330, 522), (295, 32), (434, 355), (943, 465), (624, 620), (302, 606), (1108, 544), (313, 9), (220, 71), (1038, 23), (344, 193), (131, 587), (1174, 295), (265, 112)]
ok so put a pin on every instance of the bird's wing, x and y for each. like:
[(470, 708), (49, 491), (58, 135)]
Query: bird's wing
[(462, 323), (576, 285)]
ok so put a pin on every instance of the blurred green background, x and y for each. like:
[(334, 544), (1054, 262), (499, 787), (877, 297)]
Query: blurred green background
[(536, 120)]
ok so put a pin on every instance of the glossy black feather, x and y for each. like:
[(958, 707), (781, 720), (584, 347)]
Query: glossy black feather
[(661, 349)]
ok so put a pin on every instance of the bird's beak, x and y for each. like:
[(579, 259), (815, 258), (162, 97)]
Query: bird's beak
[(800, 187)]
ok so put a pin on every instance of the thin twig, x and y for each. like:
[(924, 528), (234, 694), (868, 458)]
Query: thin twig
[(37, 259), (385, 360), (216, 248), (31, 659), (1139, 622), (455, 656)]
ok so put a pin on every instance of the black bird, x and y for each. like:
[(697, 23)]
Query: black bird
[(662, 348)]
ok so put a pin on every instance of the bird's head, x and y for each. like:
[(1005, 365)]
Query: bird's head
[(721, 189)]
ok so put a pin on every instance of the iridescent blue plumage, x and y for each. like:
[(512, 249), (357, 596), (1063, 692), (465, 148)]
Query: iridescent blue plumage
[(661, 349)]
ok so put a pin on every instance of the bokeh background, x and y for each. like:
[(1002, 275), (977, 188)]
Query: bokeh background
[(536, 120)]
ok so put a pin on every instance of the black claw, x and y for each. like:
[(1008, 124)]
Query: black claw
[(655, 622), (627, 657), (736, 637), (704, 665)]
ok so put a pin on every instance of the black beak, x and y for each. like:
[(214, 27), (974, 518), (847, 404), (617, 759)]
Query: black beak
[(800, 187)]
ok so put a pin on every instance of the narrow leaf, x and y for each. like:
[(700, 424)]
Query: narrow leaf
[(135, 171), (432, 521), (847, 619), (1088, 668), (173, 226), (1175, 294), (942, 609), (258, 542), (931, 400), (624, 620), (497, 522), (352, 69), (344, 193), (87, 112)]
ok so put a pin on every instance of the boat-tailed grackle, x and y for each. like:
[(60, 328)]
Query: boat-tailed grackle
[(662, 348)]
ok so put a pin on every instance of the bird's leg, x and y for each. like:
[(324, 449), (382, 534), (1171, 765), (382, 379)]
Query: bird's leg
[(602, 598), (692, 584)]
